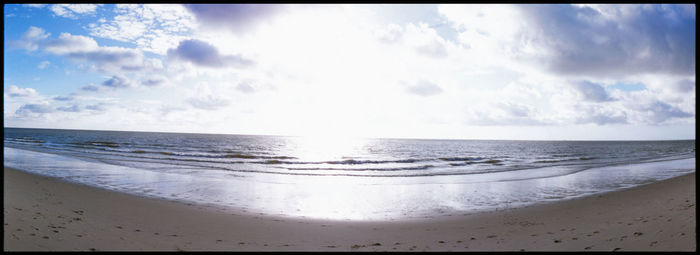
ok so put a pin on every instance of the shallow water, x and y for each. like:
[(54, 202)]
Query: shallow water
[(358, 179)]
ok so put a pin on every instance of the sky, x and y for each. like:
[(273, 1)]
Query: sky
[(519, 72)]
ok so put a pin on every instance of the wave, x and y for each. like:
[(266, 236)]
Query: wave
[(461, 159), (246, 156), (25, 139), (342, 162), (423, 167), (97, 143)]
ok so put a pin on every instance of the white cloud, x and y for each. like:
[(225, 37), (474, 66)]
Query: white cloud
[(109, 59), (34, 110), (152, 27), (245, 87), (43, 64), (391, 34), (425, 40), (73, 10), (72, 108), (14, 91), (209, 102), (205, 99), (423, 88), (70, 44), (31, 38)]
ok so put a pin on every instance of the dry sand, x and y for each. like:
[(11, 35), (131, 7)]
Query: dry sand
[(43, 214)]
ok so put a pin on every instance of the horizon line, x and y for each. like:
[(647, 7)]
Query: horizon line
[(358, 137)]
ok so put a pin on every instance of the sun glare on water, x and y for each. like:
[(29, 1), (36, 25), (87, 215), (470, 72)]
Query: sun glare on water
[(327, 147)]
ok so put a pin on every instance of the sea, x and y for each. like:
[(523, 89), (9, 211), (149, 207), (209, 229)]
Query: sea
[(344, 178)]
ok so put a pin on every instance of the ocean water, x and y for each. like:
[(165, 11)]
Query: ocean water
[(344, 178)]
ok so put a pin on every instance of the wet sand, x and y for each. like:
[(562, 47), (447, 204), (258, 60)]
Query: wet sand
[(46, 214)]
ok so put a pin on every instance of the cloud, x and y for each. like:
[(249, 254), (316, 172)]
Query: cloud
[(594, 41), (434, 49), (423, 88), (426, 40), (615, 40), (31, 38), (73, 10), (63, 98), (602, 119), (238, 18), (482, 119), (152, 27), (391, 34), (101, 107), (91, 88), (117, 82), (71, 44), (516, 110), (14, 91), (204, 54), (43, 64), (109, 59), (206, 99), (685, 85), (30, 109), (422, 38), (504, 113), (154, 81), (659, 112), (591, 92), (209, 102), (245, 87), (73, 108)]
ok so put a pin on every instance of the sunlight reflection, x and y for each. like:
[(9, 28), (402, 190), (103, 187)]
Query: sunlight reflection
[(326, 148)]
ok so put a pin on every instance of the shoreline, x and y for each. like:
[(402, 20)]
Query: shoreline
[(44, 213)]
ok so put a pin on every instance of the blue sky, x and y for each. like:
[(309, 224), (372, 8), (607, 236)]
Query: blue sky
[(573, 72)]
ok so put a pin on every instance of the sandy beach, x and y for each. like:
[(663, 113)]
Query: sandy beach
[(46, 214)]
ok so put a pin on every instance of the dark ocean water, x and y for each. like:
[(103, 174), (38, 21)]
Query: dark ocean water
[(469, 174)]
